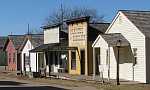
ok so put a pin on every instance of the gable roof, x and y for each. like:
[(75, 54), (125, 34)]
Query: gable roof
[(36, 39), (141, 19), (20, 40), (17, 40), (112, 39)]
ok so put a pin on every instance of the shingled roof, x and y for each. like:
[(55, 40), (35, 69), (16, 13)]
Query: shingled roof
[(141, 19), (95, 29), (102, 27), (36, 39), (2, 42), (17, 40), (113, 38)]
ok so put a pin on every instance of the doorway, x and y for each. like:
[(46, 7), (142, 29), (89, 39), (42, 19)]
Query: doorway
[(82, 61), (19, 63)]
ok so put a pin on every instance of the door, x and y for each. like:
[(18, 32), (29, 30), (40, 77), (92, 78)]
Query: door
[(82, 61), (19, 62)]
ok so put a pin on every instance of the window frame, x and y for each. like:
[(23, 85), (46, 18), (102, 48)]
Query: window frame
[(73, 60)]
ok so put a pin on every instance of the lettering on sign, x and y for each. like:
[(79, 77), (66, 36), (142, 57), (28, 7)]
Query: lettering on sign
[(77, 35)]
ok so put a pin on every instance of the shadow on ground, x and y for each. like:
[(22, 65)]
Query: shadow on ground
[(10, 83), (31, 88)]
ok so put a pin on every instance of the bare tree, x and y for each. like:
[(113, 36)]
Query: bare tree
[(63, 14)]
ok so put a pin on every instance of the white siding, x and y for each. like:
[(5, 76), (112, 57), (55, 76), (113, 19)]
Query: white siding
[(101, 43), (34, 63), (137, 40), (28, 46), (103, 48), (51, 35)]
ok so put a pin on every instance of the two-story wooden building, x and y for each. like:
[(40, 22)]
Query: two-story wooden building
[(55, 39), (81, 34)]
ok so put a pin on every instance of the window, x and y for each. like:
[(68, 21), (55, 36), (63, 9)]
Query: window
[(135, 56), (73, 60), (56, 58), (107, 57), (27, 60), (9, 55), (14, 57)]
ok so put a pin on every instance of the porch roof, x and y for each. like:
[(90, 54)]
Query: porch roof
[(112, 39), (53, 47)]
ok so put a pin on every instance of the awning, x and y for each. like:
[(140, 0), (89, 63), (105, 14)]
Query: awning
[(112, 39), (53, 47)]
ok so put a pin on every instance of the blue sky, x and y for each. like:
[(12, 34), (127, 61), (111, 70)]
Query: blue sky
[(16, 14)]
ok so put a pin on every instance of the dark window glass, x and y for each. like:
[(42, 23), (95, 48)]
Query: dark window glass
[(73, 60), (14, 57)]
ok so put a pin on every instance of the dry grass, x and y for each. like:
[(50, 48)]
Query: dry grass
[(125, 87), (75, 83)]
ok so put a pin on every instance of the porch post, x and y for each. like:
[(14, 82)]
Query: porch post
[(94, 71), (109, 63), (45, 66), (117, 77), (48, 55), (118, 47)]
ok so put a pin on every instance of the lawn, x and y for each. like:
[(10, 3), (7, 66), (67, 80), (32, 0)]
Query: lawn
[(77, 83)]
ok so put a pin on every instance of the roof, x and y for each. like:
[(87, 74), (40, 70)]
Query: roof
[(36, 39), (79, 19), (51, 26), (141, 19), (102, 27), (63, 46), (113, 38), (17, 40), (95, 29), (3, 41)]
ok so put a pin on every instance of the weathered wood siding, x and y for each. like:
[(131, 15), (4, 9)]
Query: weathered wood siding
[(148, 60), (78, 38)]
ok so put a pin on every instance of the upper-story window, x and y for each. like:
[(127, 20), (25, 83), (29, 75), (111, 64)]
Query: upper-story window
[(14, 57), (9, 57)]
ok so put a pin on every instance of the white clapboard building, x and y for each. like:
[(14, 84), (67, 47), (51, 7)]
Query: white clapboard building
[(54, 56), (30, 61), (126, 39)]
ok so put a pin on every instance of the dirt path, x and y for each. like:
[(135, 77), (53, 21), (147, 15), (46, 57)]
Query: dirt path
[(71, 85)]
